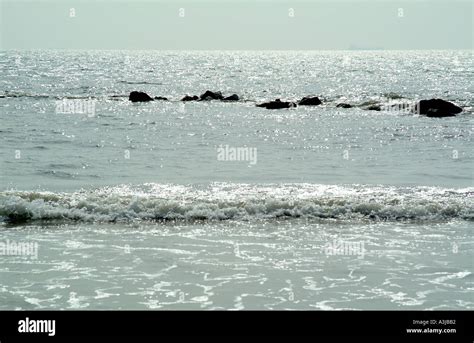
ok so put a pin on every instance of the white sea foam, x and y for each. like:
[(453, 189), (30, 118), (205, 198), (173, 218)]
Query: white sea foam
[(223, 201)]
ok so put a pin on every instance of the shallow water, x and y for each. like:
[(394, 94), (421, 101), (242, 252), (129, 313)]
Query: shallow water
[(141, 187), (241, 265)]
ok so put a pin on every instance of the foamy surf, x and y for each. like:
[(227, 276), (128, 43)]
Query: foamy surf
[(246, 202)]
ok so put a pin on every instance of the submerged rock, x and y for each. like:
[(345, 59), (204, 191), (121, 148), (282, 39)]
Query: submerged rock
[(233, 97), (344, 105), (190, 98), (437, 108), (139, 97), (208, 95), (310, 101), (277, 104)]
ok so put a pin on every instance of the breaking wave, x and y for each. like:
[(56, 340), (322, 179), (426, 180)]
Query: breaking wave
[(223, 201)]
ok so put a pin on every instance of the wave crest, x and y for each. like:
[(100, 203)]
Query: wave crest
[(155, 202)]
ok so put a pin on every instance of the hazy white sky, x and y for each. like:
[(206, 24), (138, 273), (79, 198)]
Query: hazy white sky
[(236, 24)]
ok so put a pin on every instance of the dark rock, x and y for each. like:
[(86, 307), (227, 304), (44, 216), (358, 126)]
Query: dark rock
[(374, 108), (344, 105), (233, 97), (161, 98), (277, 104), (190, 98), (437, 108), (310, 101), (139, 97), (208, 95)]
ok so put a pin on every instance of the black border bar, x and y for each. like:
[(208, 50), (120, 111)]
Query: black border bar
[(370, 324)]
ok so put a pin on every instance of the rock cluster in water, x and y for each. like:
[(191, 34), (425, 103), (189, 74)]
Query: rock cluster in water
[(207, 96), (431, 108), (277, 104)]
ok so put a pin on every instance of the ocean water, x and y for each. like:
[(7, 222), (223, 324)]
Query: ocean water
[(145, 206)]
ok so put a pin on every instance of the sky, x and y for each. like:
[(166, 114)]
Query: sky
[(236, 24)]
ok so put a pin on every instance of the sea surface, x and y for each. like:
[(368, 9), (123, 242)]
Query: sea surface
[(149, 205)]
